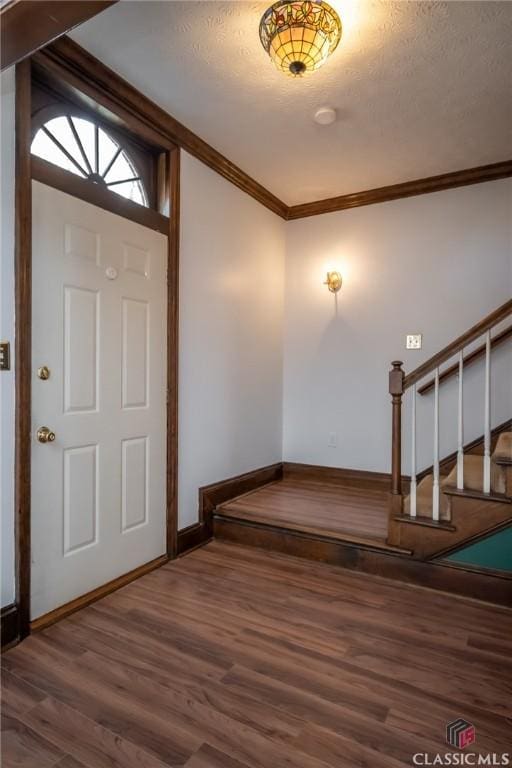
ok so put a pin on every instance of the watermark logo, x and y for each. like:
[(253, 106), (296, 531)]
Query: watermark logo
[(460, 734)]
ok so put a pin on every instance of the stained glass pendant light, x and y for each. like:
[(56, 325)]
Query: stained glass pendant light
[(300, 36)]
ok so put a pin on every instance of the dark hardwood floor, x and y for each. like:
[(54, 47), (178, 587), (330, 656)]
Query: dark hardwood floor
[(232, 657), (321, 505)]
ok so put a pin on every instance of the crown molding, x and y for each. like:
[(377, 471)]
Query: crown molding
[(28, 25), (92, 81), (405, 189), (68, 61)]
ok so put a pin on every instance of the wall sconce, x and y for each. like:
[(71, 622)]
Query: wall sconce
[(333, 281)]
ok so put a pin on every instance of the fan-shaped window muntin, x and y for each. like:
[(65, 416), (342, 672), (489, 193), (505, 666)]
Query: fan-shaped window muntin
[(84, 148)]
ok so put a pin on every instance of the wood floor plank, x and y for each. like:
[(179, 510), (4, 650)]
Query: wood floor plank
[(465, 685), (18, 696), (176, 680), (86, 740), (209, 757), (101, 702), (494, 646), (69, 762), (285, 661), (413, 713), (341, 751), (23, 747), (232, 657)]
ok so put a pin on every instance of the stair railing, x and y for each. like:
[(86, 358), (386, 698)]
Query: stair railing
[(399, 383)]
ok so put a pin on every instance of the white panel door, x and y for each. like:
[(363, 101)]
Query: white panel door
[(99, 325)]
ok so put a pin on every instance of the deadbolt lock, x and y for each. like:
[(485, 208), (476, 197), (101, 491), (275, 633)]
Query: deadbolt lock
[(43, 372), (45, 435)]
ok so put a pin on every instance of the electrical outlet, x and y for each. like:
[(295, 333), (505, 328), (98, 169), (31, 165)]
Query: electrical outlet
[(333, 440), (413, 341)]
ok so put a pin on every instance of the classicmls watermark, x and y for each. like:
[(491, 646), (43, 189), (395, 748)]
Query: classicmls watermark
[(460, 734)]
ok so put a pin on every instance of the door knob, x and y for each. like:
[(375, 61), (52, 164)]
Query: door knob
[(45, 435), (43, 372)]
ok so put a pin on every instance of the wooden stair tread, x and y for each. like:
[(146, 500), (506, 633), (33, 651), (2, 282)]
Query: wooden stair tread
[(502, 462), (474, 494), (425, 521)]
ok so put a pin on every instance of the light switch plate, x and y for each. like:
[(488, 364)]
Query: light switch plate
[(413, 341), (5, 356)]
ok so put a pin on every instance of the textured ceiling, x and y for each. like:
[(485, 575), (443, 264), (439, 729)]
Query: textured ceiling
[(420, 88)]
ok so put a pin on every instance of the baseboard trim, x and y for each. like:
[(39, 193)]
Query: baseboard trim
[(210, 496), (10, 623), (67, 609), (192, 537), (462, 581), (348, 476)]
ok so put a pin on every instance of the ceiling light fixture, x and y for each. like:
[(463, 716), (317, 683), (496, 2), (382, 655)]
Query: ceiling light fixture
[(299, 37)]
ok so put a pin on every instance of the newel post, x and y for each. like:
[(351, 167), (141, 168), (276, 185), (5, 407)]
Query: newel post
[(396, 390)]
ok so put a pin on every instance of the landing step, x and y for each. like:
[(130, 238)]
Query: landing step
[(451, 490), (425, 521), (309, 534), (384, 561)]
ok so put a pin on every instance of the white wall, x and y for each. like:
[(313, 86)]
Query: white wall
[(7, 334), (433, 264), (231, 316)]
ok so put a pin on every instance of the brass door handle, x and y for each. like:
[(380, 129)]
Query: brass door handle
[(45, 435)]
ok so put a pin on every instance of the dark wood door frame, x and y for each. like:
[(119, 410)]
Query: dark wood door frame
[(23, 341), (168, 203), (28, 25)]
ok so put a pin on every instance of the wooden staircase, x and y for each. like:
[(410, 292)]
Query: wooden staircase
[(444, 511), (354, 519), (464, 514)]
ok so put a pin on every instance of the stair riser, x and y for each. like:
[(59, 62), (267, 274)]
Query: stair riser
[(447, 578), (507, 474), (474, 476)]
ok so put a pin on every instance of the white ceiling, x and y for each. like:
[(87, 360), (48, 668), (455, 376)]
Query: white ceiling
[(420, 88)]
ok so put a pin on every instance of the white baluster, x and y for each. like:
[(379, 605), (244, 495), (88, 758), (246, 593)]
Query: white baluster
[(435, 486), (412, 493), (460, 438), (487, 415)]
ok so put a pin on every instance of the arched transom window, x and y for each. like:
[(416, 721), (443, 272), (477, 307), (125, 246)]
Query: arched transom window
[(82, 147)]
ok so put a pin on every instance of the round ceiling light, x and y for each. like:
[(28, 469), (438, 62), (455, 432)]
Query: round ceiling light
[(299, 37)]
